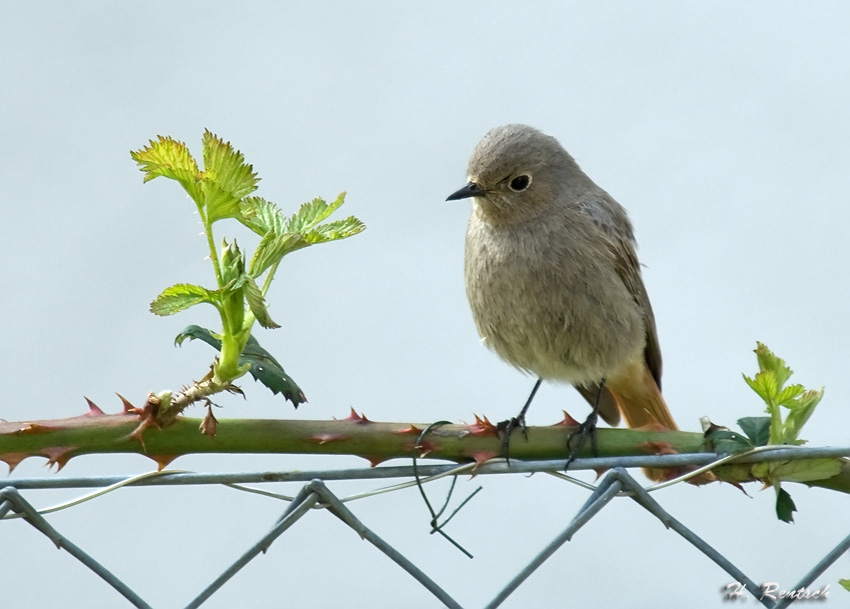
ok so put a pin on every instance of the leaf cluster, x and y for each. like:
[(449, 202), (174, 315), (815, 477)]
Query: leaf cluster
[(224, 190), (799, 402), (788, 408)]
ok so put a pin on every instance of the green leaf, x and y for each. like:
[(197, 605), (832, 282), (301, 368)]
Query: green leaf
[(261, 216), (311, 213), (844, 583), (264, 367), (282, 236), (267, 370), (756, 428), (197, 332), (805, 470), (226, 178), (769, 384), (785, 507), (768, 361), (271, 249), (180, 297), (227, 167), (800, 410), (788, 394), (728, 442), (257, 304), (751, 382), (333, 231), (764, 384), (232, 262), (220, 203), (170, 158)]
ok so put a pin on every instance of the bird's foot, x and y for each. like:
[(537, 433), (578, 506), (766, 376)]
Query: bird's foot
[(507, 428), (580, 435)]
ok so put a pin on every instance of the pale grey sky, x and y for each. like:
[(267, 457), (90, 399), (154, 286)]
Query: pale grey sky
[(722, 127)]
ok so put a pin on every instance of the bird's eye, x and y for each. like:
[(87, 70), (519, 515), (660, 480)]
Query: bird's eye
[(520, 183)]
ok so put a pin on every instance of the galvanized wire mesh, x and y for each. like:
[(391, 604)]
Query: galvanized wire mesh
[(315, 495)]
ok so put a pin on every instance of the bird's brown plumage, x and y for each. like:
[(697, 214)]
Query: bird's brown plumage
[(553, 279)]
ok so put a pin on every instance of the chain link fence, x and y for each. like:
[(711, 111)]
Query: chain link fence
[(314, 496)]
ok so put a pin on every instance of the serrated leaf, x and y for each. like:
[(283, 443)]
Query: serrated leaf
[(170, 158), (311, 213), (799, 412), (264, 367), (769, 384), (764, 384), (333, 231), (261, 216), (282, 236), (805, 470), (219, 203), (227, 168), (271, 249), (785, 507), (788, 394), (769, 361), (267, 370), (305, 216), (257, 304), (752, 384), (340, 199), (756, 428), (180, 297)]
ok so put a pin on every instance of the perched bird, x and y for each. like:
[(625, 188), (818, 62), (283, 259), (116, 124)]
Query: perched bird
[(553, 279)]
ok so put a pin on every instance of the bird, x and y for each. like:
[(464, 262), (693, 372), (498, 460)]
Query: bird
[(553, 278)]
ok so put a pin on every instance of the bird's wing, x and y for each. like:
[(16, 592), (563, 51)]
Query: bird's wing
[(620, 242), (607, 405)]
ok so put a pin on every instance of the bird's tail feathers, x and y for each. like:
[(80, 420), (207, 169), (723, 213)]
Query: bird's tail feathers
[(639, 398)]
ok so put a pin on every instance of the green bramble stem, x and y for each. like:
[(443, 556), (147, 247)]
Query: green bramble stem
[(227, 368), (62, 439)]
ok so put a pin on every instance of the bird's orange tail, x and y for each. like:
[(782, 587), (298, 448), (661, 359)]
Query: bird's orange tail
[(639, 398)]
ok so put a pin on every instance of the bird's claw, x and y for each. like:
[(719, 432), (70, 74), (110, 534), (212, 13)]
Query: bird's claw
[(581, 433), (507, 428)]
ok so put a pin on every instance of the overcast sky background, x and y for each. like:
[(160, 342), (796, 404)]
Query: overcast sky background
[(722, 127)]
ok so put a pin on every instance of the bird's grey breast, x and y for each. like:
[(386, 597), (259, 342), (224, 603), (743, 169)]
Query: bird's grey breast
[(534, 290)]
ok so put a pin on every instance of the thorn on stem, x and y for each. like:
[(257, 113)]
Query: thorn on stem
[(209, 426)]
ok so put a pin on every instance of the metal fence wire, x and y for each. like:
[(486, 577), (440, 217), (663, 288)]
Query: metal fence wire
[(314, 494)]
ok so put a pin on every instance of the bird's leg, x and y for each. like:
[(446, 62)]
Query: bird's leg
[(508, 426), (588, 428)]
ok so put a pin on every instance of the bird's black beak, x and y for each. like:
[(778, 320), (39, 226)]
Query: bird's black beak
[(470, 190)]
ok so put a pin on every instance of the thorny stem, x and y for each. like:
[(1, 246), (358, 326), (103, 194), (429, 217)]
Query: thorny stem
[(200, 391), (172, 436)]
